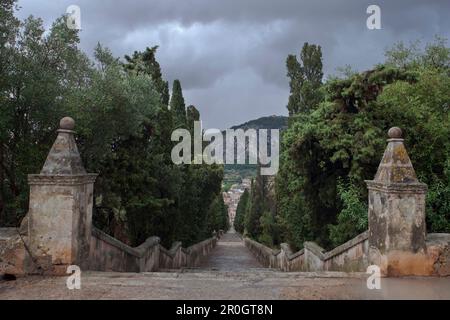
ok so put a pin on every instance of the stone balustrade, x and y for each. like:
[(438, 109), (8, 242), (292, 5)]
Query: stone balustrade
[(109, 254), (349, 257)]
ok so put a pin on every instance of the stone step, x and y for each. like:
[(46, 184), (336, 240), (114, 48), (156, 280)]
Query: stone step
[(234, 270), (245, 274)]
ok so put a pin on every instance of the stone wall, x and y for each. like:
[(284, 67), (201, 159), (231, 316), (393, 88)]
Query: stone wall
[(349, 257), (109, 254), (276, 259), (438, 252), (353, 256), (14, 258), (178, 257)]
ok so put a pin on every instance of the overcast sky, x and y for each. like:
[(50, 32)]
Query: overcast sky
[(230, 54)]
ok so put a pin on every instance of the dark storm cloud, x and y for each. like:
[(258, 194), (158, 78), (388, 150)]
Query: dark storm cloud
[(230, 54)]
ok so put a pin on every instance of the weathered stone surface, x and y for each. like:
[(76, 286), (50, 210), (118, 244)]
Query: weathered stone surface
[(349, 257), (397, 230), (64, 158), (395, 167), (438, 251), (109, 254), (178, 257), (395, 133), (352, 256), (60, 218), (59, 222), (67, 123), (230, 255), (13, 256)]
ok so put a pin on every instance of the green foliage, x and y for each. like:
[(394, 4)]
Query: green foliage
[(145, 63), (192, 115), (241, 211), (260, 209), (435, 55), (293, 214), (38, 72), (438, 203), (218, 215), (268, 229), (343, 139), (255, 209), (124, 131), (177, 105), (352, 219), (305, 79), (401, 55)]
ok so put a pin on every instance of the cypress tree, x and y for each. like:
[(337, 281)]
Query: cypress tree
[(240, 212), (145, 62), (177, 105), (192, 115), (305, 79)]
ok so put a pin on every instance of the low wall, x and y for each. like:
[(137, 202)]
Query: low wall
[(12, 252), (109, 254), (438, 252), (178, 257), (353, 257), (200, 250), (276, 259), (349, 257)]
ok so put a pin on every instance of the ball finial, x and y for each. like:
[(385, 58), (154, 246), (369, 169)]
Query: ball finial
[(67, 123), (395, 133)]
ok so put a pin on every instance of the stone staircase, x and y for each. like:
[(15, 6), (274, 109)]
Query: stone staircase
[(230, 254)]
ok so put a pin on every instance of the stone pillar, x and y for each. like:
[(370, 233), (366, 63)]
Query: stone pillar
[(60, 211), (397, 230)]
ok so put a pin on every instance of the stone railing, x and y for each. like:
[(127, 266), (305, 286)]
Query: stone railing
[(178, 257), (109, 254), (349, 257), (353, 256)]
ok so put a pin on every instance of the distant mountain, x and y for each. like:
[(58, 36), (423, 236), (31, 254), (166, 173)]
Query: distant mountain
[(272, 122), (268, 123), (235, 173)]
